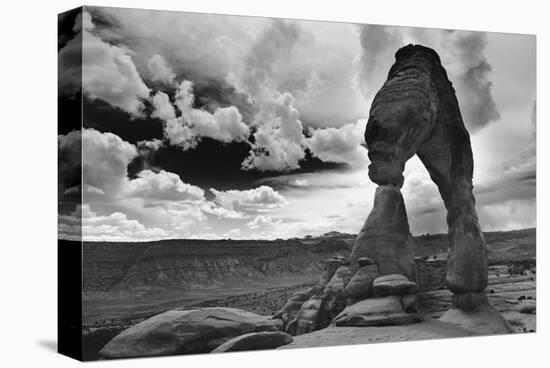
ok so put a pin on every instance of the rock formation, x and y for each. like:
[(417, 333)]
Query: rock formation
[(360, 285), (366, 299), (315, 308), (385, 237), (182, 331), (416, 112)]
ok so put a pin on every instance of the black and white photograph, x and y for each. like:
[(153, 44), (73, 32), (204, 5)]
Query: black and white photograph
[(236, 183)]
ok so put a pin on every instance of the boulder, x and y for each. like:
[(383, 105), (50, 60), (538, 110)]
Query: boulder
[(255, 341), (309, 318), (334, 297), (182, 331), (386, 311), (360, 285), (288, 312), (392, 285)]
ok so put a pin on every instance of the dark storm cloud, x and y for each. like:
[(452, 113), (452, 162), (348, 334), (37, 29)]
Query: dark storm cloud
[(103, 117), (216, 164)]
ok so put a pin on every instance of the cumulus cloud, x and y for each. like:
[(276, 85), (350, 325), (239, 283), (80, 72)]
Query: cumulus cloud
[(279, 142), (186, 130), (150, 200), (147, 147), (164, 110), (262, 221), (257, 199), (343, 145), (87, 225), (163, 185), (160, 71), (462, 54), (105, 158), (221, 212), (109, 74)]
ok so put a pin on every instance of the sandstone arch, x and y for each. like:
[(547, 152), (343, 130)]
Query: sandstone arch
[(416, 112)]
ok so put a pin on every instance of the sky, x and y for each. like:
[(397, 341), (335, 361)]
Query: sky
[(216, 127)]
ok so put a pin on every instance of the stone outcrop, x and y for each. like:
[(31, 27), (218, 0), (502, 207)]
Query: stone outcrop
[(255, 341), (386, 237), (393, 302), (360, 285), (334, 296), (416, 112), (366, 299), (184, 332), (392, 285), (306, 311), (315, 308), (385, 311), (310, 317), (292, 306)]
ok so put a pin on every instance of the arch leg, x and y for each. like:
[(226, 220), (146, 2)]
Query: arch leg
[(467, 265)]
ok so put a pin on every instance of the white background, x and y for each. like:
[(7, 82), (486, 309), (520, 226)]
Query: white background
[(28, 183)]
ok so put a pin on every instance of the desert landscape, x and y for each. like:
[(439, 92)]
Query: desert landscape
[(260, 276)]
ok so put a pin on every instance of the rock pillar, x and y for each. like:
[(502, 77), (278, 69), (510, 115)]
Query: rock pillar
[(386, 237)]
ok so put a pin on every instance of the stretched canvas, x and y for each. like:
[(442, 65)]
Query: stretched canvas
[(231, 183)]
